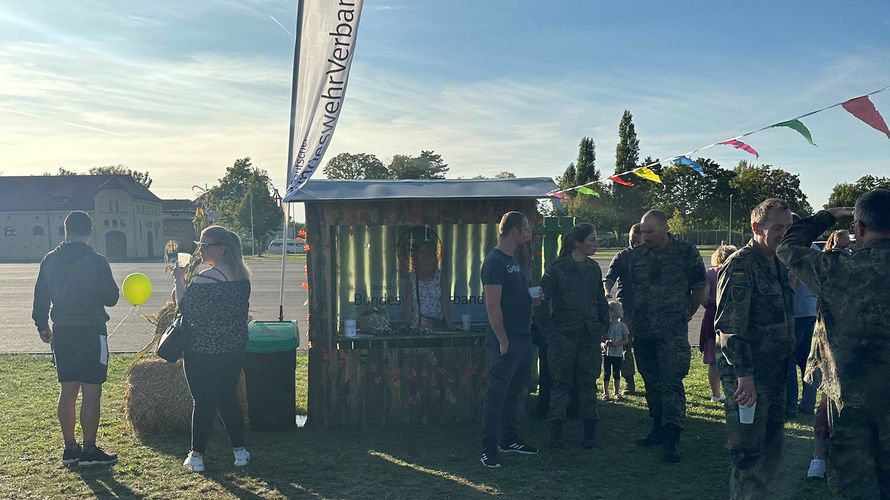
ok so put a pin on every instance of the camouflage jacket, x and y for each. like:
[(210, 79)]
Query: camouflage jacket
[(854, 296), (662, 280), (574, 302), (755, 316)]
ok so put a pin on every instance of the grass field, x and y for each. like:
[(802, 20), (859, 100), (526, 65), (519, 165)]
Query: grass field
[(402, 462)]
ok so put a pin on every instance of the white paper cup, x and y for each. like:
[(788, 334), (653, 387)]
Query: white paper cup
[(535, 292), (349, 326), (183, 259), (746, 413), (467, 322)]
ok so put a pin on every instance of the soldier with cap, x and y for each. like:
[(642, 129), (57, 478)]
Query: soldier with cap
[(755, 328), (854, 293), (669, 282)]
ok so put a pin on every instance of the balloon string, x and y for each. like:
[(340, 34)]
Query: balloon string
[(132, 308)]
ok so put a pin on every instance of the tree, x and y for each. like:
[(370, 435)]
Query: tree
[(845, 194), (243, 186), (631, 201), (567, 179), (140, 177), (701, 201), (258, 211), (505, 175), (585, 165), (355, 166), (627, 153), (428, 165), (755, 183)]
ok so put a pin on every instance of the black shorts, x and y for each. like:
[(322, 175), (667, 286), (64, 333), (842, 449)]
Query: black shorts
[(81, 353)]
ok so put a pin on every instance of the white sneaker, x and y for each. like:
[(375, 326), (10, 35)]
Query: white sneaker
[(817, 468), (194, 463), (242, 457)]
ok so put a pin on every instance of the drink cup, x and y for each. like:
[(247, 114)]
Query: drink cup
[(535, 292), (467, 322), (349, 326), (183, 259), (746, 413)]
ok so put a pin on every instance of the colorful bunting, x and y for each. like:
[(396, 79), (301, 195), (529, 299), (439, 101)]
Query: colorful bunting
[(587, 190), (647, 173), (686, 162), (864, 109), (618, 180), (800, 127), (741, 145), (558, 194)]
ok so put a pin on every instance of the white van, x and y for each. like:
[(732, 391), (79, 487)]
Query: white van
[(293, 246)]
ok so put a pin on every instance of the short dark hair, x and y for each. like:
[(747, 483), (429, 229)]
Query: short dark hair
[(78, 223), (510, 221), (873, 210), (657, 215), (761, 211)]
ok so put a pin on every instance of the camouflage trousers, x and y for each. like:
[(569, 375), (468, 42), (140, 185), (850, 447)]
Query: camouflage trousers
[(754, 449), (664, 363), (578, 360), (858, 453)]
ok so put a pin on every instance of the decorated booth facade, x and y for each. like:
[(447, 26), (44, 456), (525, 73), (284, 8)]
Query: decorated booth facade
[(397, 317)]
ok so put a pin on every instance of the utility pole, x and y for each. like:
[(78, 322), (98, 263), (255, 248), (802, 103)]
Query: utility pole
[(252, 239), (729, 233)]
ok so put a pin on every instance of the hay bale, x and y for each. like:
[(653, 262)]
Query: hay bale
[(157, 398)]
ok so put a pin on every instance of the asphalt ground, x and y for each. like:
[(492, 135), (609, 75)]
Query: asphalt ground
[(18, 334)]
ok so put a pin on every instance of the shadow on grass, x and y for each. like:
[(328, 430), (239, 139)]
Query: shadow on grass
[(102, 482)]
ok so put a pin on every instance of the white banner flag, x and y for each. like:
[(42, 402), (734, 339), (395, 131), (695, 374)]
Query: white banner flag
[(324, 50)]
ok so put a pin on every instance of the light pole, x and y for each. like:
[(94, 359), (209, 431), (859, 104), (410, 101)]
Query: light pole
[(252, 238), (729, 233)]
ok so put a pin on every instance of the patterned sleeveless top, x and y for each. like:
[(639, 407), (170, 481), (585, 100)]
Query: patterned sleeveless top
[(217, 316)]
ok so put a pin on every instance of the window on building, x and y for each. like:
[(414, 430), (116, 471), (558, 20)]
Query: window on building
[(117, 207), (107, 223), (113, 222), (109, 205), (37, 231), (9, 231), (123, 223)]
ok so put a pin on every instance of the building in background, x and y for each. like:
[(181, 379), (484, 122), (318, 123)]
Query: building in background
[(177, 223), (127, 217)]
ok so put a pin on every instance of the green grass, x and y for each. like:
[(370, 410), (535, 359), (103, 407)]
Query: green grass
[(401, 462), (608, 253)]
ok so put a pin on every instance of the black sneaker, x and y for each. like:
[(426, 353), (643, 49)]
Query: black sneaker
[(490, 459), (72, 454), (97, 456), (518, 446)]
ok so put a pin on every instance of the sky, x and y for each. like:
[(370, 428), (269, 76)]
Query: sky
[(183, 89)]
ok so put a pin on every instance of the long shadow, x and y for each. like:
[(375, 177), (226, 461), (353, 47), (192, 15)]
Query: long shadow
[(102, 482)]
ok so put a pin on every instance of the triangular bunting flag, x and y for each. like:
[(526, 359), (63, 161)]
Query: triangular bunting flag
[(558, 194), (682, 160), (800, 127), (741, 145), (865, 110), (647, 173), (587, 190), (618, 180)]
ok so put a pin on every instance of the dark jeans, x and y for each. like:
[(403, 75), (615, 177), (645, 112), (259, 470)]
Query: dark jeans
[(507, 383), (213, 382), (803, 336), (612, 368)]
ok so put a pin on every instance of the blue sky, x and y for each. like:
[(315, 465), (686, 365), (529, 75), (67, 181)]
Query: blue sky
[(182, 89)]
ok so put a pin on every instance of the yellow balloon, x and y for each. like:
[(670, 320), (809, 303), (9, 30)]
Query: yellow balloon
[(136, 288)]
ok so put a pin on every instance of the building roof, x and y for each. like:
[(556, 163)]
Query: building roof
[(63, 192), (350, 190), (178, 205)]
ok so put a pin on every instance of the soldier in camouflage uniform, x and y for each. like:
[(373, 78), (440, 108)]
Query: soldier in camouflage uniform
[(854, 294), (577, 318), (669, 282), (755, 328)]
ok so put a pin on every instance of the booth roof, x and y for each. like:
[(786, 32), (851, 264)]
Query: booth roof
[(342, 190)]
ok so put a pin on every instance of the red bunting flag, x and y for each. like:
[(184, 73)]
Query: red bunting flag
[(864, 109), (558, 195), (618, 180), (741, 145)]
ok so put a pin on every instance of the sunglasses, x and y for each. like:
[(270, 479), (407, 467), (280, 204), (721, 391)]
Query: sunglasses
[(202, 246)]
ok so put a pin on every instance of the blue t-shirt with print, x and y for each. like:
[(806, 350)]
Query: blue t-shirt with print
[(516, 305)]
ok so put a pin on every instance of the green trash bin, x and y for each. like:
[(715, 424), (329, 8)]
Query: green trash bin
[(270, 374)]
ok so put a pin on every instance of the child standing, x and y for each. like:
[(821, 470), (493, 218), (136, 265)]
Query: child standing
[(613, 346)]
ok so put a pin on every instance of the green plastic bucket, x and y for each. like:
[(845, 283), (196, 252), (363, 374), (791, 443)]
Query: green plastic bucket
[(272, 336)]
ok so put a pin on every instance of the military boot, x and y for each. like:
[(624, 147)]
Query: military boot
[(556, 434), (671, 443), (655, 435), (589, 434)]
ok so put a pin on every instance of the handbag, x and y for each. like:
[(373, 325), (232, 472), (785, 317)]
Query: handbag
[(174, 340)]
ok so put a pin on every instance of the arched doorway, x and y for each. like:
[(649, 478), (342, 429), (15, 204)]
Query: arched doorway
[(115, 245), (151, 244)]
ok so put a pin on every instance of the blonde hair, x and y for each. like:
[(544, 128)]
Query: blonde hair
[(616, 309), (833, 237), (232, 256), (721, 254)]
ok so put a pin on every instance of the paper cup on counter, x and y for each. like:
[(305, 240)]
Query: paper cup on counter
[(349, 327), (467, 322)]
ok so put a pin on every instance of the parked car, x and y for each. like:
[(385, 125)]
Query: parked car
[(293, 246)]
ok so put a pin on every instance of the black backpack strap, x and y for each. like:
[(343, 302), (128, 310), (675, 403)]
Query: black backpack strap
[(204, 275)]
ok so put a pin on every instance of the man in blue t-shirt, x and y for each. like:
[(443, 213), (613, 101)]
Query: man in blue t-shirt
[(509, 308)]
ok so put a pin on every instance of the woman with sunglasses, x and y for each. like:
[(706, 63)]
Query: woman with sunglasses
[(215, 306)]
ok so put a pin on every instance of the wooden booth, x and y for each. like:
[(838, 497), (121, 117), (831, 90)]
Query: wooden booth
[(397, 319)]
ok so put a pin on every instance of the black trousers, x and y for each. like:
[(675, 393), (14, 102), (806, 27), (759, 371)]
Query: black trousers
[(507, 383), (213, 382)]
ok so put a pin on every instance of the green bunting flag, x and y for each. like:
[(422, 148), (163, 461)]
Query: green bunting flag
[(800, 127), (587, 190)]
